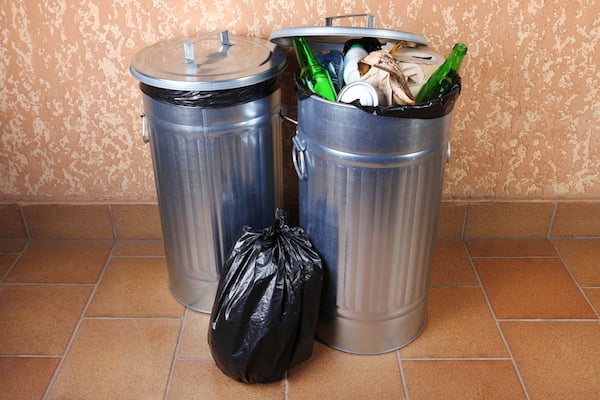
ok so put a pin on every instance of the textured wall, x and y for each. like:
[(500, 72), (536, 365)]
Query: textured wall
[(527, 124)]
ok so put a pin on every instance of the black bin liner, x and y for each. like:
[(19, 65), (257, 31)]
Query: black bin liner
[(213, 98), (265, 313), (431, 109)]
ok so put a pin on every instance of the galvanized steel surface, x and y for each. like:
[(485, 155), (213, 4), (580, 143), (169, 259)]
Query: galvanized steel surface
[(216, 170), (209, 62), (370, 201)]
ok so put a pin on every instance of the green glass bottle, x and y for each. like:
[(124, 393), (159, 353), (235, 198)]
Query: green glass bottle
[(312, 74), (441, 80)]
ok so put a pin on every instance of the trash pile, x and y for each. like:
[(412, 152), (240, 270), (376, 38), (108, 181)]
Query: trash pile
[(378, 75)]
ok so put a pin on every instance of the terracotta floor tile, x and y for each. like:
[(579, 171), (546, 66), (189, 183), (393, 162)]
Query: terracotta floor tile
[(69, 221), (39, 319), (462, 379), (137, 248), (202, 379), (25, 377), (12, 245), (61, 261), (557, 360), (194, 339), (118, 359), (6, 261), (335, 375), (508, 220), (593, 296), (511, 248), (582, 257), (451, 265), (11, 222), (137, 221), (577, 219), (135, 287), (459, 324), (451, 220), (531, 288)]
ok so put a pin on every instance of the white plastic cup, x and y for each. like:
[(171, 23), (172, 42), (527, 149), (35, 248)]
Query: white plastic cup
[(351, 58)]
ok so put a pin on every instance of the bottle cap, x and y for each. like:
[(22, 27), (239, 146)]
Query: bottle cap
[(362, 91)]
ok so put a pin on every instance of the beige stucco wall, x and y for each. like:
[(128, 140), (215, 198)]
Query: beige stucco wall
[(527, 124)]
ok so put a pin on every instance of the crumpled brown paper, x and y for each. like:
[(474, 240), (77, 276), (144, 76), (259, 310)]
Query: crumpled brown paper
[(384, 73), (417, 64)]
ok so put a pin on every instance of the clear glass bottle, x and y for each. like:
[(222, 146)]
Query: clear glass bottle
[(312, 74), (441, 80)]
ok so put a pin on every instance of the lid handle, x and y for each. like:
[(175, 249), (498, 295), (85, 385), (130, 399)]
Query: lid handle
[(188, 50), (370, 19), (188, 47)]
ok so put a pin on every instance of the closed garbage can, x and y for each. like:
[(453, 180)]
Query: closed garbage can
[(370, 189), (211, 115)]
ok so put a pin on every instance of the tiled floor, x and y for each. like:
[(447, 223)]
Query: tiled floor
[(93, 319)]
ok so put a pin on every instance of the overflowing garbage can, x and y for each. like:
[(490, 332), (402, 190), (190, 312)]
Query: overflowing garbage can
[(211, 115), (370, 186)]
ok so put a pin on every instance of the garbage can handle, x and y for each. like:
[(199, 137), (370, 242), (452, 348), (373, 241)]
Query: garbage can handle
[(287, 118), (145, 129), (298, 157), (188, 47), (370, 19)]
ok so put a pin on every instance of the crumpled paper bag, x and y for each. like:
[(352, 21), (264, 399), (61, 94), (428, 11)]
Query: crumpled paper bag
[(384, 73)]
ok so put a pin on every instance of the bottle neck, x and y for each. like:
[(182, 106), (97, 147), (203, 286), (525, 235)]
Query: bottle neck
[(304, 53), (455, 58)]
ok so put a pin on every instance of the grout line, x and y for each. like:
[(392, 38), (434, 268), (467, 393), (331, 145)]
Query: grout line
[(131, 318), (547, 320), (113, 224), (575, 237), (463, 228), (79, 322), (47, 284), (511, 257), (30, 356), (402, 376), (15, 262), (24, 221), (457, 359), (194, 358), (455, 286), (575, 281), (140, 257), (183, 319), (552, 218), (501, 333)]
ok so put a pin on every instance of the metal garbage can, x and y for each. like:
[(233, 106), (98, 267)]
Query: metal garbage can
[(211, 114), (369, 197)]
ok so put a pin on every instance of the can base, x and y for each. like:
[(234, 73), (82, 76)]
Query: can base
[(197, 295), (371, 336)]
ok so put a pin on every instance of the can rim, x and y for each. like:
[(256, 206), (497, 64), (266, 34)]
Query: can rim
[(323, 36), (163, 65)]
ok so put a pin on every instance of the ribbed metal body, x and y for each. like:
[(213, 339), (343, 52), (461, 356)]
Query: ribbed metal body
[(369, 200), (216, 170)]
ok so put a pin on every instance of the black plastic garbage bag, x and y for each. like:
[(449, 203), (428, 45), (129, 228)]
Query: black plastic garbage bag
[(265, 312)]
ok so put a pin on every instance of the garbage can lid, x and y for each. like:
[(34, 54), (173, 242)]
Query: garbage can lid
[(214, 61), (328, 36)]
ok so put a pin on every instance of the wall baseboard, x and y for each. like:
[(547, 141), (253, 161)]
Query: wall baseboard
[(458, 219)]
